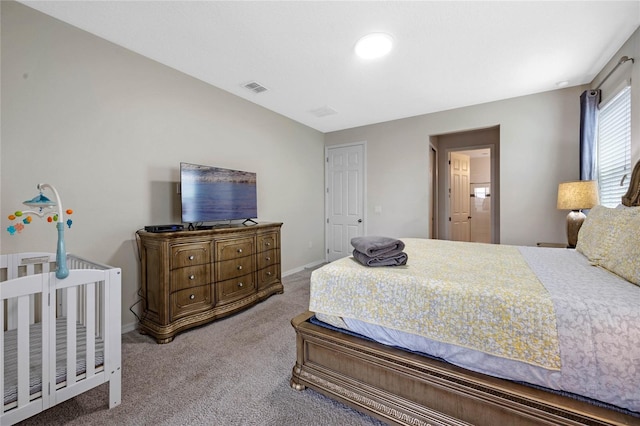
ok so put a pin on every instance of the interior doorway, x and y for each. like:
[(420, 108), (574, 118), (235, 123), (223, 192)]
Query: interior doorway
[(482, 146)]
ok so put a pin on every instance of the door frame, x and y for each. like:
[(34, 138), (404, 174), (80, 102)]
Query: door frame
[(433, 176), (327, 192)]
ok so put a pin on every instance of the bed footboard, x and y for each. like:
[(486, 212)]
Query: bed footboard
[(399, 387)]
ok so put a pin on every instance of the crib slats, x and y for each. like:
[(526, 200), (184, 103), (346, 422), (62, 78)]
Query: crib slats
[(23, 348), (71, 335), (21, 291), (2, 360), (90, 325), (32, 301)]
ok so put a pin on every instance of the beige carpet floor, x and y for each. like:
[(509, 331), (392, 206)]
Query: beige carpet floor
[(234, 371)]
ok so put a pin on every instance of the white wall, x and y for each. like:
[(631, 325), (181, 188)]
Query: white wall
[(109, 128), (538, 149)]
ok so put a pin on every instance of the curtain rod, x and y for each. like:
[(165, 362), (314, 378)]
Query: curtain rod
[(620, 62)]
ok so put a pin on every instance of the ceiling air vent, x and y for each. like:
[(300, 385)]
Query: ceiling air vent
[(255, 87), (323, 111)]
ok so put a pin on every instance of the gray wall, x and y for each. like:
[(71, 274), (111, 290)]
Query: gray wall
[(108, 128), (538, 149)]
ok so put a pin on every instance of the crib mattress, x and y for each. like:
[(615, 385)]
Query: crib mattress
[(35, 362)]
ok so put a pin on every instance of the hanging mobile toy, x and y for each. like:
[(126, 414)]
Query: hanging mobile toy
[(45, 207)]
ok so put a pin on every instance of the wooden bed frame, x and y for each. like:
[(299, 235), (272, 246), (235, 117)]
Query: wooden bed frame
[(399, 387)]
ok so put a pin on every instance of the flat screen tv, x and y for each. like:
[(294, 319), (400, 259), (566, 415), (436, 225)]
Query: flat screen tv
[(212, 194)]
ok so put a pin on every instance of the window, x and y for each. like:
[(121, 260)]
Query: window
[(614, 148)]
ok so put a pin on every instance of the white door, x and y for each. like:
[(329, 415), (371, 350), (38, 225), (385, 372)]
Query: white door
[(459, 212), (345, 174)]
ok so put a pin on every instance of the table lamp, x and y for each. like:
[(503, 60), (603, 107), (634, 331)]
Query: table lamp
[(575, 196)]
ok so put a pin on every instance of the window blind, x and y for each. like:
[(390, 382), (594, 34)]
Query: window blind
[(614, 148)]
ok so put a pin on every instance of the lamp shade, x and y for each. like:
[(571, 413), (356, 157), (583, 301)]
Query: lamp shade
[(578, 195)]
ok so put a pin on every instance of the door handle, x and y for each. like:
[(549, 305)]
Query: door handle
[(359, 220)]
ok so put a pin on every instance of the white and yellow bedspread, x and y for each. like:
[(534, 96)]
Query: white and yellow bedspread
[(478, 296)]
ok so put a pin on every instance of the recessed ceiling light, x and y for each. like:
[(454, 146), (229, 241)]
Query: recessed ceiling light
[(563, 83), (374, 45)]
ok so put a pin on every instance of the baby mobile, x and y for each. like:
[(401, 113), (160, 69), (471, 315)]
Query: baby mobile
[(45, 207)]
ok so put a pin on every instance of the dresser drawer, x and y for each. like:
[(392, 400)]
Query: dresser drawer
[(190, 301), (268, 276), (189, 254), (234, 268), (267, 241), (234, 249), (191, 276), (267, 258), (234, 289)]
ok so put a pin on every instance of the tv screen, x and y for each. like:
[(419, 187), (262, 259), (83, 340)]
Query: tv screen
[(210, 194)]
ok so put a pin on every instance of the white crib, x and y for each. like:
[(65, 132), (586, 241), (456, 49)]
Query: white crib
[(53, 326)]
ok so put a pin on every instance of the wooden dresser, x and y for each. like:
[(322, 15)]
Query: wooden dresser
[(189, 278)]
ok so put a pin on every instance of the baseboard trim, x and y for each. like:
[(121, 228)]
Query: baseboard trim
[(311, 265)]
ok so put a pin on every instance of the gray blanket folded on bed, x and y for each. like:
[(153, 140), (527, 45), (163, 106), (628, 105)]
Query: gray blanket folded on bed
[(398, 259), (374, 246), (379, 251)]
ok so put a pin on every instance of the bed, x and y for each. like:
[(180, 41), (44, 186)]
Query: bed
[(55, 326), (562, 347)]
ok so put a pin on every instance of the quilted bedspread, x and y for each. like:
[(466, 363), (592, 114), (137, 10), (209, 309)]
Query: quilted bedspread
[(479, 296)]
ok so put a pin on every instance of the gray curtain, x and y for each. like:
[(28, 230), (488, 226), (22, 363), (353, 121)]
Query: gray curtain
[(589, 101)]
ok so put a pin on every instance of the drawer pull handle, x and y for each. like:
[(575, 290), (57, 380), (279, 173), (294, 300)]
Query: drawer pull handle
[(267, 258), (192, 257), (239, 267), (267, 244), (193, 296), (269, 273), (192, 277), (239, 250), (240, 284)]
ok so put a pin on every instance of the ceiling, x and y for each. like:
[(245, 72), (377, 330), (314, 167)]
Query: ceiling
[(447, 54)]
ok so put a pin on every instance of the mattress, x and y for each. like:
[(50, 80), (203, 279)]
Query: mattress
[(597, 319), (35, 362)]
